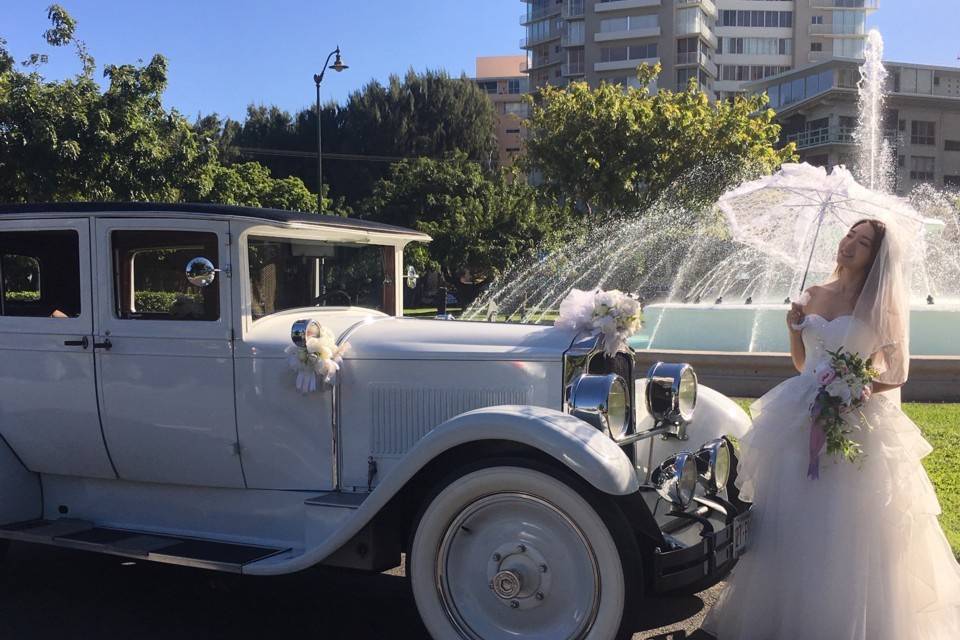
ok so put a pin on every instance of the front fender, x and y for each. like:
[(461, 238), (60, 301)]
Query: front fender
[(583, 449)]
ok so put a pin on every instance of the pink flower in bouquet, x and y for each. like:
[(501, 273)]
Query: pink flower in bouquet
[(825, 375)]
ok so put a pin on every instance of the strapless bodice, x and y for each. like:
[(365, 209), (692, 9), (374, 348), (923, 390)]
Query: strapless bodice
[(821, 335)]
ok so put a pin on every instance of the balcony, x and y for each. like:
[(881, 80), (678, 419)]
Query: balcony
[(539, 14), (572, 69), (707, 5), (624, 65), (616, 5), (836, 135), (697, 58), (836, 31), (867, 5), (818, 56), (629, 34), (573, 9), (530, 41), (533, 65), (699, 29), (572, 40)]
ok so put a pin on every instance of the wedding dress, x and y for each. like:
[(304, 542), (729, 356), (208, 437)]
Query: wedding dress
[(857, 554)]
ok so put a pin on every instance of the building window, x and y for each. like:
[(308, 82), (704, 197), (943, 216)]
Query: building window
[(922, 168), (746, 18), (490, 86), (513, 130), (513, 86), (816, 46), (951, 145), (816, 19), (922, 132), (951, 181)]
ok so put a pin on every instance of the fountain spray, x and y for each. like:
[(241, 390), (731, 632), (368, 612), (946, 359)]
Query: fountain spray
[(875, 166)]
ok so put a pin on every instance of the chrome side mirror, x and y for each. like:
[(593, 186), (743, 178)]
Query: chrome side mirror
[(200, 272), (411, 277)]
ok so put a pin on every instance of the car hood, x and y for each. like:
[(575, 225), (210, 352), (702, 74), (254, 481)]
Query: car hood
[(414, 339), (375, 336)]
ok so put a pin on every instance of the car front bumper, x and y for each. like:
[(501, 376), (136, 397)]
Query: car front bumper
[(712, 557)]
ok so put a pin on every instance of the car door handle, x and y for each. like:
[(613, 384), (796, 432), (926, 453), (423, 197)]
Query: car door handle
[(106, 344), (82, 342)]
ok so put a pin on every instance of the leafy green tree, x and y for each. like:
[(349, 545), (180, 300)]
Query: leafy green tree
[(480, 222), (619, 150), (425, 114), (70, 140)]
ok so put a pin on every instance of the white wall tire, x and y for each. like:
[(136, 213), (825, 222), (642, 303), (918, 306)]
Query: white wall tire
[(511, 551)]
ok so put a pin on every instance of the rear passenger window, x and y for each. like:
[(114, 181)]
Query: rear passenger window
[(149, 275), (40, 274)]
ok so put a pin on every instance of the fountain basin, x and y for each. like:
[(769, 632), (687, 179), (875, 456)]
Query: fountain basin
[(761, 328)]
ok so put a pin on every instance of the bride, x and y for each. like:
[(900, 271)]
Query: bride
[(856, 554)]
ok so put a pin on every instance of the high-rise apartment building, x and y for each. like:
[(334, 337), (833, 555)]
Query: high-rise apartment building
[(724, 44), (817, 110), (504, 80)]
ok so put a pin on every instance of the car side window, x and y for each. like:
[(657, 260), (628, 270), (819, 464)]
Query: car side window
[(40, 274), (149, 280)]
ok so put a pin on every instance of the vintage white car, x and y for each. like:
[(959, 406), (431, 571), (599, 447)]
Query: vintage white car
[(148, 409)]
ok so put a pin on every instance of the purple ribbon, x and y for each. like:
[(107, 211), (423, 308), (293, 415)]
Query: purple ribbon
[(817, 439)]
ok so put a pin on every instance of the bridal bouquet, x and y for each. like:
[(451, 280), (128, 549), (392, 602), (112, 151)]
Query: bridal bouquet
[(845, 385), (613, 314), (320, 357)]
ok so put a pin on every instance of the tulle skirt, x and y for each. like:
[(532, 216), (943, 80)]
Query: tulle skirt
[(855, 555)]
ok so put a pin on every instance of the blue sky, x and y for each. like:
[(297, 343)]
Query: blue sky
[(225, 54)]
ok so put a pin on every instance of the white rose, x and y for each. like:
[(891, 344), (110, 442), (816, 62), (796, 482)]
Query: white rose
[(840, 389)]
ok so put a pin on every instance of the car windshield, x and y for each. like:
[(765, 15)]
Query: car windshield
[(287, 273)]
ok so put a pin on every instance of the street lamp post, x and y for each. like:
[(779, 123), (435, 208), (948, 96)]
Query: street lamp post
[(337, 66)]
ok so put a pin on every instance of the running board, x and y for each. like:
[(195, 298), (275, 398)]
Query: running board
[(189, 552)]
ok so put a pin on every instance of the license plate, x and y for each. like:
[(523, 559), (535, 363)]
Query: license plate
[(741, 533)]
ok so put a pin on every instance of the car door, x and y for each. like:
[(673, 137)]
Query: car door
[(48, 395), (164, 353)]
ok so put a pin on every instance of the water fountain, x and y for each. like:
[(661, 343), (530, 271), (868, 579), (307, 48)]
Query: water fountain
[(711, 291)]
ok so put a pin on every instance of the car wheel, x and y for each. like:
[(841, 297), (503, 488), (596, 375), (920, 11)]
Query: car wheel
[(520, 550)]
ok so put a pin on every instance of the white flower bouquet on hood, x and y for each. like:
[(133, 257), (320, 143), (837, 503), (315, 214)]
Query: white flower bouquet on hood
[(613, 314)]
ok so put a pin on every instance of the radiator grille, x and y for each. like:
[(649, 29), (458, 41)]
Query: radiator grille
[(403, 415)]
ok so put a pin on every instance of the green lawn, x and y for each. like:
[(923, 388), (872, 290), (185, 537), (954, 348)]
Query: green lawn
[(940, 424)]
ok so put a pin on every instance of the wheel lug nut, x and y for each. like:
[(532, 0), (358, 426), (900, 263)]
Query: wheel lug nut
[(543, 568), (490, 584), (522, 548), (539, 595), (514, 604), (496, 557)]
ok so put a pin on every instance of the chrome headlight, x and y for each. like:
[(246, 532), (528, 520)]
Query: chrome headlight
[(603, 401), (676, 479), (713, 464), (671, 392)]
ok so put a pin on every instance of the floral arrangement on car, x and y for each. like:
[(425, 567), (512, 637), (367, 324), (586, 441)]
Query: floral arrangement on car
[(319, 358), (613, 314), (845, 381)]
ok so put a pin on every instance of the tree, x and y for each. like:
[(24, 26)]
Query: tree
[(617, 150), (425, 114), (70, 140), (480, 222)]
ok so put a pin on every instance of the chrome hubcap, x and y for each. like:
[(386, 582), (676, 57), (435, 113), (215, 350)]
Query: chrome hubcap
[(540, 579)]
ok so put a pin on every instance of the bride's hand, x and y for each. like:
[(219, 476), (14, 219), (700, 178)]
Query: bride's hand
[(795, 317)]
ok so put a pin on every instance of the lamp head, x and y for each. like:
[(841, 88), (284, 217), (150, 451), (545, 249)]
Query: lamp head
[(338, 65)]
